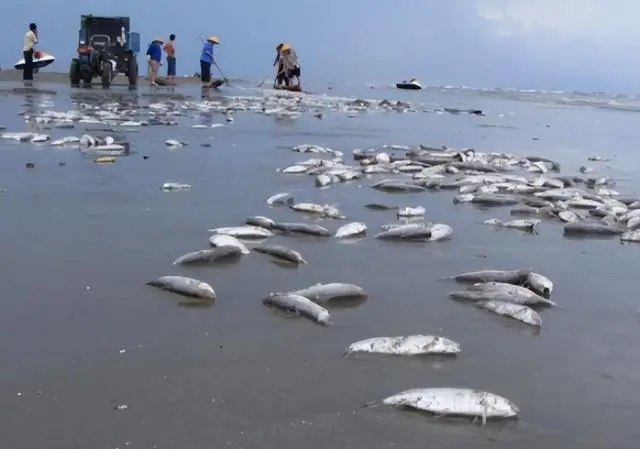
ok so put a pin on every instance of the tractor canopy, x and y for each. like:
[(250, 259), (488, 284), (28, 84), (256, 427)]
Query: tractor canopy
[(104, 33)]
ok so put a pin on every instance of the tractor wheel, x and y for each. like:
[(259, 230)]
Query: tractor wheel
[(132, 73), (106, 74), (74, 73)]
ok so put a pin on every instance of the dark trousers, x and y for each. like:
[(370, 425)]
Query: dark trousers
[(205, 71), (27, 72), (171, 66), (282, 77)]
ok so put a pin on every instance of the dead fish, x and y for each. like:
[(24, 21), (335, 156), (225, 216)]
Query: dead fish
[(395, 186), (280, 199), (298, 304), (586, 229), (377, 206), (243, 232), (175, 186), (40, 138), (69, 140), (412, 231), (322, 293), (569, 216), (417, 211), (494, 200), (518, 312), (455, 402), (539, 284), (525, 211), (353, 229), (405, 345), (174, 143), (208, 255), (507, 276), (296, 169), (310, 208), (281, 253), (184, 286), (501, 291), (219, 240), (302, 228), (260, 221), (523, 225)]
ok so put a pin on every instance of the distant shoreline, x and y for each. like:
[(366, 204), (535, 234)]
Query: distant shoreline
[(13, 75)]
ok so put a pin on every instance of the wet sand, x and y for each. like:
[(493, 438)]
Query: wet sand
[(63, 78), (83, 335)]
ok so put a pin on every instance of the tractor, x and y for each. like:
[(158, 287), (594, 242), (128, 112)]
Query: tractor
[(106, 47)]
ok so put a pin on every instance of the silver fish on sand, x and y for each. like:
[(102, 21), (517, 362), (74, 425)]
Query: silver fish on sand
[(243, 232), (281, 253), (175, 186), (184, 286), (353, 229), (518, 312), (523, 225), (408, 211), (302, 228), (280, 199), (219, 240), (260, 221), (322, 293), (208, 255), (539, 284), (406, 345), (455, 402), (298, 304), (508, 276), (501, 291)]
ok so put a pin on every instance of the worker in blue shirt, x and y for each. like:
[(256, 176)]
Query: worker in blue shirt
[(207, 60), (154, 55)]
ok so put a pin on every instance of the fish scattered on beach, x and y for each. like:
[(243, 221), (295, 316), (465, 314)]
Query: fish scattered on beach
[(407, 345), (300, 305), (184, 286), (455, 402)]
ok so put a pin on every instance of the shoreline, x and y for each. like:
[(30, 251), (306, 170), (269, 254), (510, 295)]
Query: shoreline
[(15, 76)]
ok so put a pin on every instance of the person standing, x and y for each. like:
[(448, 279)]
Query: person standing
[(170, 50), (281, 77), (30, 41), (154, 54), (290, 64), (207, 60)]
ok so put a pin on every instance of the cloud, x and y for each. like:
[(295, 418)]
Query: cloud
[(594, 21)]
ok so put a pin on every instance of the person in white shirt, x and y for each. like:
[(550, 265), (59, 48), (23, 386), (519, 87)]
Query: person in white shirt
[(30, 41)]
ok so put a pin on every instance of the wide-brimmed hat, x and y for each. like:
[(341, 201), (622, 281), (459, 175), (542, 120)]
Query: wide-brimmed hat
[(158, 39), (213, 39)]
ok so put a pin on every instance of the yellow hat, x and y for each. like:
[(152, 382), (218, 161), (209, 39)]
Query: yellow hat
[(159, 39), (213, 39), (285, 47)]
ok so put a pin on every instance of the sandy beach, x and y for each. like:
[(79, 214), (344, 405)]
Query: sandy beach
[(63, 78), (94, 357)]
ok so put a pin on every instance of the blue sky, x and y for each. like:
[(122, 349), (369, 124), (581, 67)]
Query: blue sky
[(589, 45)]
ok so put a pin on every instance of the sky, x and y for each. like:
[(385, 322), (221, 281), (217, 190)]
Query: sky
[(579, 45)]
